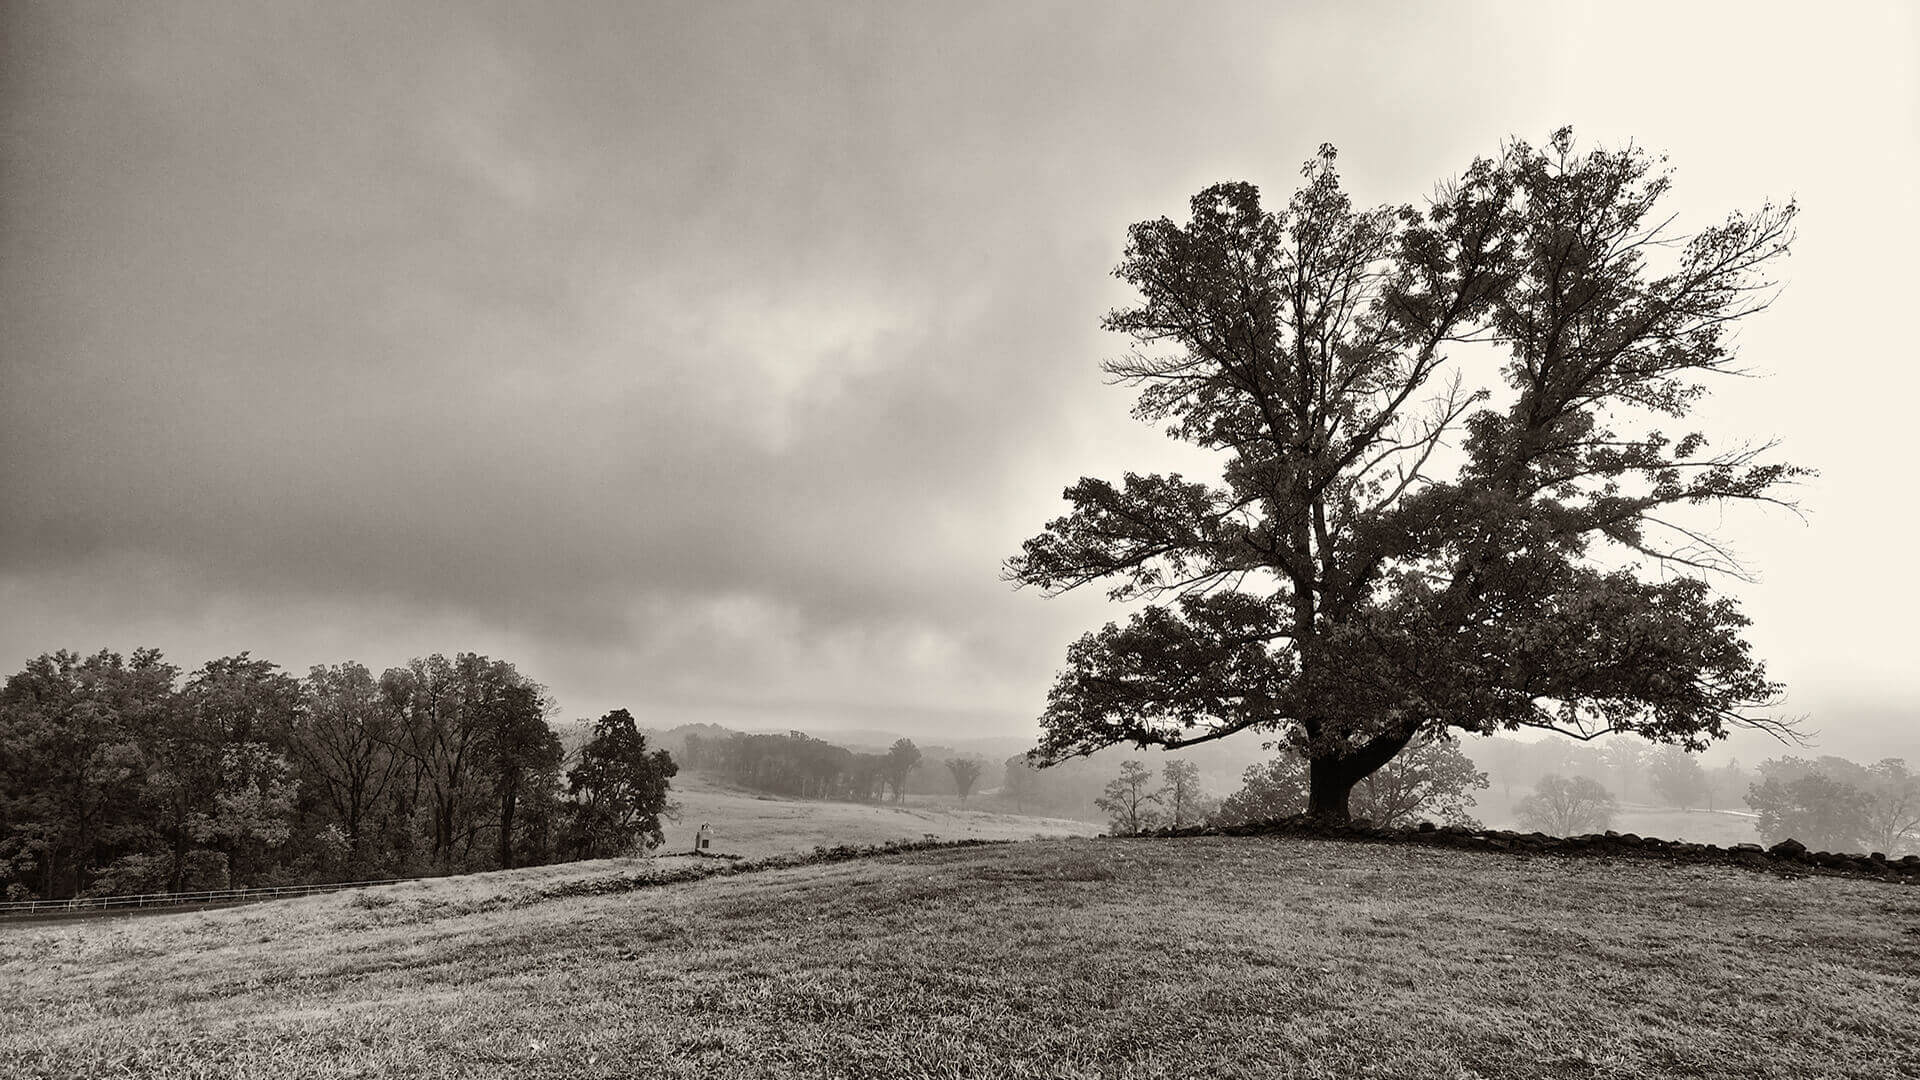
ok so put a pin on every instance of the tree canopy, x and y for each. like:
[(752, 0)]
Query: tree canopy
[(1337, 585)]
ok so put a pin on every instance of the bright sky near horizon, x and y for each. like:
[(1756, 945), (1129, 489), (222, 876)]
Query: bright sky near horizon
[(706, 360)]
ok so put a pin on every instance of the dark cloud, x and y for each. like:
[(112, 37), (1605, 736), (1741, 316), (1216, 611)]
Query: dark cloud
[(701, 356)]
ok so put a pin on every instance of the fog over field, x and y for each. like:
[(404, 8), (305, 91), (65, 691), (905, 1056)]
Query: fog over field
[(708, 360)]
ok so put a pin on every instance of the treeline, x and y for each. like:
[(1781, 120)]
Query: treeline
[(118, 776), (804, 766), (800, 765)]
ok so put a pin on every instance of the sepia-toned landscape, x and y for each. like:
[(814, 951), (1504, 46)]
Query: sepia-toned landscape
[(847, 539)]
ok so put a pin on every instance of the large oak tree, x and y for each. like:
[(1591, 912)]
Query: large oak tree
[(1390, 549)]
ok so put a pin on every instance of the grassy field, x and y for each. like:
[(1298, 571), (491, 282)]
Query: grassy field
[(1232, 957), (753, 824)]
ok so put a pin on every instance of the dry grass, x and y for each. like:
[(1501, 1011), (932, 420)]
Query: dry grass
[(1233, 957)]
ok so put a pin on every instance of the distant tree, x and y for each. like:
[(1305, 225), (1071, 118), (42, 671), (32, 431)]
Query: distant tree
[(1018, 781), (1180, 793), (1804, 801), (115, 776), (965, 772), (902, 758), (1567, 806), (1433, 778), (1506, 760), (1727, 785), (1678, 778), (1337, 589), (1893, 814), (1128, 803), (444, 714), (867, 777), (620, 789), (1627, 762), (825, 768)]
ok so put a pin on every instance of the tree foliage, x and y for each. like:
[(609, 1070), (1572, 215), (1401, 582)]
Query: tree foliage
[(77, 735), (965, 772), (1678, 778), (1185, 801), (1130, 807), (1335, 586), (902, 758), (620, 788)]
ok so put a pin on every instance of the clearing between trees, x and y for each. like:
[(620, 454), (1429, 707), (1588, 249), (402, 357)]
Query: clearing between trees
[(1233, 957)]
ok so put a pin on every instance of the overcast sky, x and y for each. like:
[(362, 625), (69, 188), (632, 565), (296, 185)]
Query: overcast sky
[(707, 359)]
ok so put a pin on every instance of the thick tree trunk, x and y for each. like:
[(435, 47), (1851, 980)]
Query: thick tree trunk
[(1329, 785), (1331, 779)]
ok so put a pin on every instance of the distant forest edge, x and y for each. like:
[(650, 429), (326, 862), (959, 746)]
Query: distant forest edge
[(119, 776)]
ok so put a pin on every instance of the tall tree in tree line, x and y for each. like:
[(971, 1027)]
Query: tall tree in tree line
[(965, 772), (902, 758), (343, 742), (1333, 587), (442, 711), (620, 787), (239, 713), (517, 747)]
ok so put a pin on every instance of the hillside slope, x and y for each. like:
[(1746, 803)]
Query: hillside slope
[(1233, 957)]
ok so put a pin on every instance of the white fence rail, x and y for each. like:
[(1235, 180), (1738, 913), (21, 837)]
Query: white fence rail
[(84, 904)]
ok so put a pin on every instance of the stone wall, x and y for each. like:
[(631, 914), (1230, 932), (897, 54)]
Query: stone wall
[(1786, 856)]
